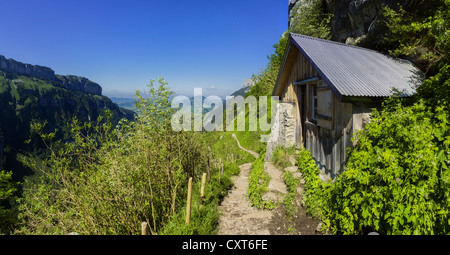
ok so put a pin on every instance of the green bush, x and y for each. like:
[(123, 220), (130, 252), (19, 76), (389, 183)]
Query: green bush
[(110, 179), (397, 179), (316, 194)]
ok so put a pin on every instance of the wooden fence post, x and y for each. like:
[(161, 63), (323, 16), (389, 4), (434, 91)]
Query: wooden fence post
[(189, 200), (145, 230), (202, 191)]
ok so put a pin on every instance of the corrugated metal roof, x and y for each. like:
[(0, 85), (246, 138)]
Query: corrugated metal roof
[(356, 71)]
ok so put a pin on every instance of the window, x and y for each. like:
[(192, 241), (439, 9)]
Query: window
[(314, 102)]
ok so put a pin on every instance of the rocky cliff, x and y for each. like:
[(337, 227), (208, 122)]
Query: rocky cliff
[(30, 93), (78, 83), (69, 82), (14, 67), (356, 20)]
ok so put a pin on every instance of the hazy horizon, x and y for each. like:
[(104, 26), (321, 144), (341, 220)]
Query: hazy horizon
[(122, 45)]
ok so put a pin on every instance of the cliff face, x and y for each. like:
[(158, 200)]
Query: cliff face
[(355, 20), (78, 83), (30, 93), (69, 82), (12, 66)]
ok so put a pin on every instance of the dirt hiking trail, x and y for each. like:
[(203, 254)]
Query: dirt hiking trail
[(238, 217)]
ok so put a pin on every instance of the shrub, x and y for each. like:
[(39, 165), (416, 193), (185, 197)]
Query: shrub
[(397, 177), (316, 194), (110, 179)]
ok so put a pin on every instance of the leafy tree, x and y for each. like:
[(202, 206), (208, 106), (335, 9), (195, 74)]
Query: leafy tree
[(311, 18), (266, 79), (420, 35), (111, 178)]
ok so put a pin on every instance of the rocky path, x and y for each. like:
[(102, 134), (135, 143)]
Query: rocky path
[(240, 218)]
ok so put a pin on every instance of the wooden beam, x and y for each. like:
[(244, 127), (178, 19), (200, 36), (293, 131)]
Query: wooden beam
[(304, 81)]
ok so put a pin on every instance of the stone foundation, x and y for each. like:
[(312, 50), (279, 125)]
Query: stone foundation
[(283, 129)]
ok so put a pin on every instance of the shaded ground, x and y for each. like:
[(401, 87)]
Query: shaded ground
[(239, 218)]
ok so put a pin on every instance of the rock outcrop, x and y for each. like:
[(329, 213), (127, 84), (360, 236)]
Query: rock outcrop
[(248, 83), (15, 67), (355, 20), (30, 93), (283, 129), (78, 83), (69, 82)]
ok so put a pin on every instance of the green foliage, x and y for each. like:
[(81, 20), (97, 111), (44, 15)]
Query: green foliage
[(423, 35), (204, 221), (397, 176), (221, 144), (204, 216), (289, 199), (258, 184), (316, 194), (280, 156), (266, 79), (436, 90), (111, 178), (310, 18), (8, 195), (396, 179)]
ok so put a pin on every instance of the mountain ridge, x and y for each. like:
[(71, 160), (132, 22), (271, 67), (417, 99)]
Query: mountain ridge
[(70, 82), (32, 93)]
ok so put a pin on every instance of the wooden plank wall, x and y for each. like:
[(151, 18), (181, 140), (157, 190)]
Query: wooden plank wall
[(328, 147), (300, 70)]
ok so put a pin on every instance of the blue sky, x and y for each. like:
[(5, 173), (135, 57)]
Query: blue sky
[(214, 45)]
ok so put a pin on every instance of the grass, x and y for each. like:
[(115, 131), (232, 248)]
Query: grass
[(259, 184), (289, 199), (204, 216), (280, 156), (223, 146)]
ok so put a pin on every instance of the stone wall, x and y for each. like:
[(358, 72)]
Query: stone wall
[(283, 129)]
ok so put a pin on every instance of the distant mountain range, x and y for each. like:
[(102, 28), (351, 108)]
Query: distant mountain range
[(35, 93)]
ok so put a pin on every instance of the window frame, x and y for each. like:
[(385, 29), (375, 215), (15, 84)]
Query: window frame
[(314, 103)]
